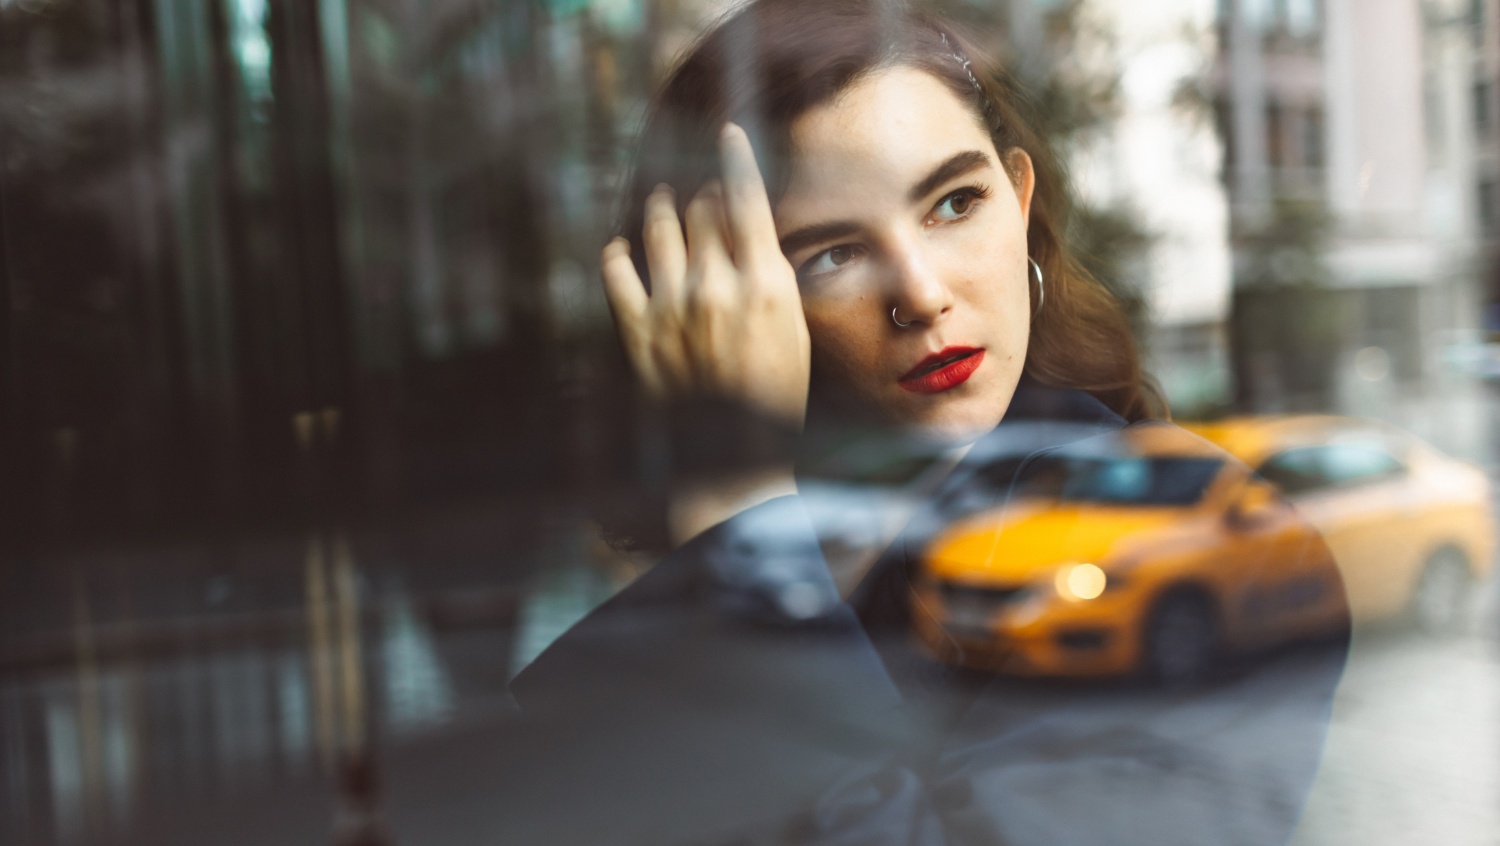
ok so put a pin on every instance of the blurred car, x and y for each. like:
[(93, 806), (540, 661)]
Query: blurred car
[(1467, 353), (1410, 528), (1143, 550)]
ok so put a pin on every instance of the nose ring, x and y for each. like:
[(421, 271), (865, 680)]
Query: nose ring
[(896, 321)]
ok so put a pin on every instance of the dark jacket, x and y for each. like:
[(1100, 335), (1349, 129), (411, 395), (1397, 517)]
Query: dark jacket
[(748, 703)]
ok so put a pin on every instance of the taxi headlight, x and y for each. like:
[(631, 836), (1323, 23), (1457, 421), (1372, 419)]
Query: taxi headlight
[(1081, 581)]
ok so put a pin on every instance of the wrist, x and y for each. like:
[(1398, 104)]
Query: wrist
[(698, 504), (726, 458)]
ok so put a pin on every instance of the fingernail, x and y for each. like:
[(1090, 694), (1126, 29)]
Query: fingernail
[(662, 188), (729, 130)]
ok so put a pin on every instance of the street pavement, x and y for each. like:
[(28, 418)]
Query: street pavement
[(1413, 752)]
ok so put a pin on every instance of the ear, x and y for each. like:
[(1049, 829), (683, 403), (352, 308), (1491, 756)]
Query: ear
[(1023, 178)]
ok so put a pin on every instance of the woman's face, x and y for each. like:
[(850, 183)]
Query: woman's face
[(899, 200)]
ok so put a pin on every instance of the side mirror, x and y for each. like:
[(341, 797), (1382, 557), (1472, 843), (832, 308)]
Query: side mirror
[(1256, 504)]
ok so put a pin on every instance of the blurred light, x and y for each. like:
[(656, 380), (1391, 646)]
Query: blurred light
[(329, 417), (803, 600), (1372, 364), (302, 428), (253, 46), (1081, 581)]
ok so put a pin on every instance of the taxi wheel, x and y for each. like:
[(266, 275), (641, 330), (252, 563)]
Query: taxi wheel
[(1441, 599), (1181, 638)]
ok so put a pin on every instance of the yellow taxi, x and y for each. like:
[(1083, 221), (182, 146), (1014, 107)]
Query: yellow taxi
[(1147, 549), (1410, 528), (1153, 550)]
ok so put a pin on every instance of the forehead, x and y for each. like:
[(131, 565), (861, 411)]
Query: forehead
[(878, 138)]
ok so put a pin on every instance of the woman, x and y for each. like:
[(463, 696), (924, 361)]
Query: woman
[(860, 297), (841, 221)]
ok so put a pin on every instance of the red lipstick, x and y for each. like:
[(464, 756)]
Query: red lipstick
[(943, 370)]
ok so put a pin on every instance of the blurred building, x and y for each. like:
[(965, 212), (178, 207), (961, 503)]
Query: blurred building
[(1360, 160), (1464, 64), (1157, 160)]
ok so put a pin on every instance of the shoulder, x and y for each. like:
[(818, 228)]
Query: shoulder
[(1034, 401)]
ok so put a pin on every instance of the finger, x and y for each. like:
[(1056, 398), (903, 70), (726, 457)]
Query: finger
[(707, 242), (623, 288), (629, 304), (666, 252), (746, 204)]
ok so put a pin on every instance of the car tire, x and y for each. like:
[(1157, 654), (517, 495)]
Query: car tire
[(1440, 601), (1180, 642)]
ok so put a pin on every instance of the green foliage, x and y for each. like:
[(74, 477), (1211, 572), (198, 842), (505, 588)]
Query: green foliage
[(1287, 248), (1284, 314)]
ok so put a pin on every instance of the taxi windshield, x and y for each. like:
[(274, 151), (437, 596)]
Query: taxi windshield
[(1134, 480)]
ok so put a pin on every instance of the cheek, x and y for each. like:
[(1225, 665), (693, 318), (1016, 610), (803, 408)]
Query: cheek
[(1003, 295), (846, 339)]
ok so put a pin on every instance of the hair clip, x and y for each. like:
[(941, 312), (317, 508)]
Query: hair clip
[(963, 61)]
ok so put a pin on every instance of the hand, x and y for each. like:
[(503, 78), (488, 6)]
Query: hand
[(724, 316)]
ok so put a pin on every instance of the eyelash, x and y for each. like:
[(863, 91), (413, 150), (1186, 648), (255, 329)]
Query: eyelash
[(976, 193)]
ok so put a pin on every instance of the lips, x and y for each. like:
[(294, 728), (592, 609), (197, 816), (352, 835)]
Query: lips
[(942, 371)]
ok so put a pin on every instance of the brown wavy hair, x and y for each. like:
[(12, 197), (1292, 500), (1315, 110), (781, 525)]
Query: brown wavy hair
[(770, 61)]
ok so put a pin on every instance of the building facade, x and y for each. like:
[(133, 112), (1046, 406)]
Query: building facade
[(1360, 160)]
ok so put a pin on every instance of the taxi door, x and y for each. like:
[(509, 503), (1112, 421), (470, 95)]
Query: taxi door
[(1355, 493), (1286, 585)]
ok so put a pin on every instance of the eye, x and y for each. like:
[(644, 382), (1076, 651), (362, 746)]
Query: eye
[(828, 261), (959, 205)]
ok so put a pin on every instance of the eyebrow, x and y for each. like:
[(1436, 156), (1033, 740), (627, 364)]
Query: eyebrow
[(816, 234), (953, 167)]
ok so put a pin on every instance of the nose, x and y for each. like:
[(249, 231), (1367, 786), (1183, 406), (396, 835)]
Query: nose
[(918, 289)]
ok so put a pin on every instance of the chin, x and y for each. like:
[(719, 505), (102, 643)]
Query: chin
[(962, 421), (955, 420), (953, 432)]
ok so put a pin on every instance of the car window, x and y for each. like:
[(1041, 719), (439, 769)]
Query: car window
[(1295, 471), (1122, 481), (1307, 469), (1352, 464)]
